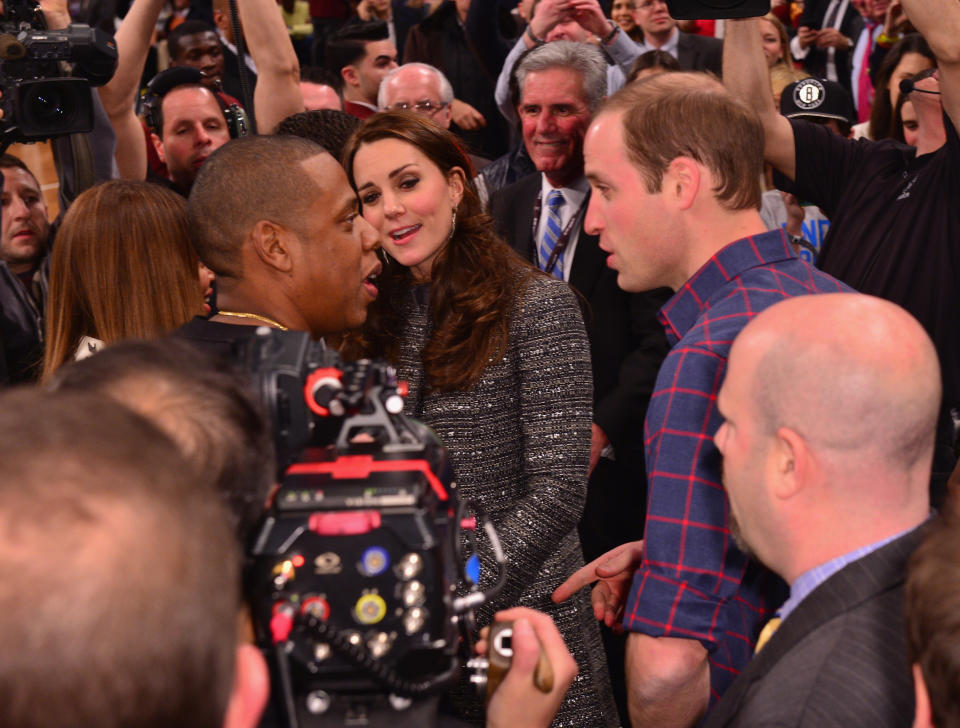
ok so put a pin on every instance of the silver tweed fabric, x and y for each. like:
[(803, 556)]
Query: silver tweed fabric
[(519, 440)]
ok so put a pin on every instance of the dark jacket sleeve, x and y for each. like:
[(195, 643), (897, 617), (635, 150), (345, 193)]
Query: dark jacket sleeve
[(483, 34)]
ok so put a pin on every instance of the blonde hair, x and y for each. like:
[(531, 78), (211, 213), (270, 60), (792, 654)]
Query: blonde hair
[(122, 267), (782, 76), (786, 58)]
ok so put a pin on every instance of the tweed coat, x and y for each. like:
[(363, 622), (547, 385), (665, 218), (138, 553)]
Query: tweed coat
[(519, 440)]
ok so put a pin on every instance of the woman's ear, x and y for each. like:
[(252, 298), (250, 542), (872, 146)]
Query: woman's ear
[(457, 179)]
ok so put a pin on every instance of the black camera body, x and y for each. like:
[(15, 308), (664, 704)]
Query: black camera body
[(717, 9), (39, 100), (353, 575)]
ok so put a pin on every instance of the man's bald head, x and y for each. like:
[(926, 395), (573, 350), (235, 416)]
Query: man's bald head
[(247, 180), (829, 404), (856, 376)]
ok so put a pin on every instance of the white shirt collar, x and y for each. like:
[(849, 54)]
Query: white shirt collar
[(670, 46), (574, 194)]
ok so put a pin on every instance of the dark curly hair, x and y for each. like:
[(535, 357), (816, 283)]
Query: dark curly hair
[(474, 281)]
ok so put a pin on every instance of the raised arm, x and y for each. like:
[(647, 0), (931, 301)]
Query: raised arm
[(745, 74), (119, 96), (277, 94), (939, 23)]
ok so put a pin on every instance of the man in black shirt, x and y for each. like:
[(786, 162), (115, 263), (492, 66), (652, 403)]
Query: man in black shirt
[(895, 222), (277, 221)]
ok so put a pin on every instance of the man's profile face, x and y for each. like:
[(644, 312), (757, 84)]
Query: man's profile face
[(203, 52), (193, 128), (653, 16), (412, 86), (25, 223), (745, 449), (379, 60), (632, 222), (318, 96), (554, 115), (334, 253)]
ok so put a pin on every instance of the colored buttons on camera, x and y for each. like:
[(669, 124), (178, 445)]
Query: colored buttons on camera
[(370, 609), (375, 561)]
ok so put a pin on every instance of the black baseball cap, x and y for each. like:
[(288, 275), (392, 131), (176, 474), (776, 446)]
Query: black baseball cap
[(817, 98)]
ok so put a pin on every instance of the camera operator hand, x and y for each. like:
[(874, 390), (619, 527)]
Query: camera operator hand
[(614, 570), (517, 702)]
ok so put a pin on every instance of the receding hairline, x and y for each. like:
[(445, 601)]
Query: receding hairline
[(209, 99)]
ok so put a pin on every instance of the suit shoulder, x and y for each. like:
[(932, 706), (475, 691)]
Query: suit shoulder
[(700, 41), (521, 194), (519, 189)]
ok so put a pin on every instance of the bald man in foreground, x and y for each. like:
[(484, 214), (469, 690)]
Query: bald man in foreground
[(828, 482)]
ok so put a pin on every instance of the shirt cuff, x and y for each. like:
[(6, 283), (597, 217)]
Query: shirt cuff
[(661, 606), (798, 51)]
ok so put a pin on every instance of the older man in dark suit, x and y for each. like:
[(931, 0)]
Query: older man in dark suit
[(828, 481), (541, 216)]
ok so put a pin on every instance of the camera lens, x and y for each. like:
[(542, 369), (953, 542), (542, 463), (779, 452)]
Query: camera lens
[(49, 107)]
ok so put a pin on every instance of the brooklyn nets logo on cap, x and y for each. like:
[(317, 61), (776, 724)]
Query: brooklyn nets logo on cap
[(809, 94)]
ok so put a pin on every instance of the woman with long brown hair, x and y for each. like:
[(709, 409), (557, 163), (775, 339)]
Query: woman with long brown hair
[(122, 267), (498, 364)]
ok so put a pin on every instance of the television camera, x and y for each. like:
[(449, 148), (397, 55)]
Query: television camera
[(46, 75), (353, 576)]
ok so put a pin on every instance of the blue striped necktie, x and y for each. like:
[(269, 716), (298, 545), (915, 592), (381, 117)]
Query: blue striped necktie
[(551, 234)]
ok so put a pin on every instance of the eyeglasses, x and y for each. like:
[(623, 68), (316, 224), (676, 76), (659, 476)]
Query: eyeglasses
[(426, 106)]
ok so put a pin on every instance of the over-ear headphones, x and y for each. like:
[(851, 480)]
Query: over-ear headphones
[(165, 81)]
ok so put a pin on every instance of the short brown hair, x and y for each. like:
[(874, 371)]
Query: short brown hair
[(119, 576), (692, 115), (932, 614), (247, 180), (205, 405), (122, 267)]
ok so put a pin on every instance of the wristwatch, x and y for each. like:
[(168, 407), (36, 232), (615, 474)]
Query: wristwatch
[(609, 37), (803, 243)]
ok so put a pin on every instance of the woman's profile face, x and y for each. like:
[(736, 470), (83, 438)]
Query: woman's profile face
[(410, 202), (909, 66)]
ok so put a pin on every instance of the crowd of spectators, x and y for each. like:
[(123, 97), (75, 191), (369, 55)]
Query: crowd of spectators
[(678, 297)]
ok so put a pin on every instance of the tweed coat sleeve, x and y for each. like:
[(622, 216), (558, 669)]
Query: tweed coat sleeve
[(556, 393)]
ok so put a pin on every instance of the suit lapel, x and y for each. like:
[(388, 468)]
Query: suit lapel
[(844, 590), (588, 259), (526, 198), (686, 56)]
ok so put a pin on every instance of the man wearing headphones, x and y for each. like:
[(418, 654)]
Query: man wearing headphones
[(187, 122)]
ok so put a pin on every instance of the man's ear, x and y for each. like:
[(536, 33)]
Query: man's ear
[(158, 145), (251, 688), (350, 75), (682, 181), (271, 243), (790, 462)]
